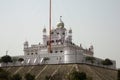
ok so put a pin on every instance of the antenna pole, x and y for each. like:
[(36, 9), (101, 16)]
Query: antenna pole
[(6, 53), (50, 28)]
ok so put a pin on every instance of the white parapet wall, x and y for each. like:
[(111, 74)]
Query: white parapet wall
[(58, 58)]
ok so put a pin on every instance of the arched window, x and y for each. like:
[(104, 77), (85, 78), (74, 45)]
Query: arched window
[(51, 51), (56, 51), (61, 51), (63, 33)]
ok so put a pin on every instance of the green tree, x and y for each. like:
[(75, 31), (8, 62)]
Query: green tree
[(46, 59), (14, 60), (91, 59), (47, 77), (118, 75), (77, 76), (107, 62), (28, 76), (20, 59), (6, 59), (16, 77)]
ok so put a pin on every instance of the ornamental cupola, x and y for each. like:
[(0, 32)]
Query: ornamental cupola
[(60, 24), (26, 44), (44, 30), (70, 31), (92, 48)]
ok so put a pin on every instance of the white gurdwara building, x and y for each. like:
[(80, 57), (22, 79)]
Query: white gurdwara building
[(63, 50)]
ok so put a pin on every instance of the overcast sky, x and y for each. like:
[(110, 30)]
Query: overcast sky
[(94, 22)]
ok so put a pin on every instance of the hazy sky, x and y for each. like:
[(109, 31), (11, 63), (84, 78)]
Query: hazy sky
[(95, 22)]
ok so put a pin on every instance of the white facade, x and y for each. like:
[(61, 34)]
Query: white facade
[(63, 50)]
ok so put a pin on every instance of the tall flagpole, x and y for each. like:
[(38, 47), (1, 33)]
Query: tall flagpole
[(50, 28)]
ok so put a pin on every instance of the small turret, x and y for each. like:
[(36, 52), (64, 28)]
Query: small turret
[(70, 32), (44, 31), (70, 35), (26, 44), (44, 36), (81, 46), (92, 48)]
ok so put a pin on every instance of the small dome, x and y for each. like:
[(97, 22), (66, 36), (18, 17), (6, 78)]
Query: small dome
[(44, 30), (70, 31), (91, 47), (60, 24), (26, 43)]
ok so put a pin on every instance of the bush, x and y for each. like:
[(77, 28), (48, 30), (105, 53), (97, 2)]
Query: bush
[(6, 59), (46, 58), (107, 62), (20, 59), (4, 75), (28, 76), (77, 76), (118, 75), (16, 77), (91, 59), (47, 77), (14, 60)]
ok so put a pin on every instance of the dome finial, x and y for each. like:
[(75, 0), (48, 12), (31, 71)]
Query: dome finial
[(70, 30), (60, 18)]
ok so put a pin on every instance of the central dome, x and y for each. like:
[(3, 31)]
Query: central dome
[(60, 24)]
